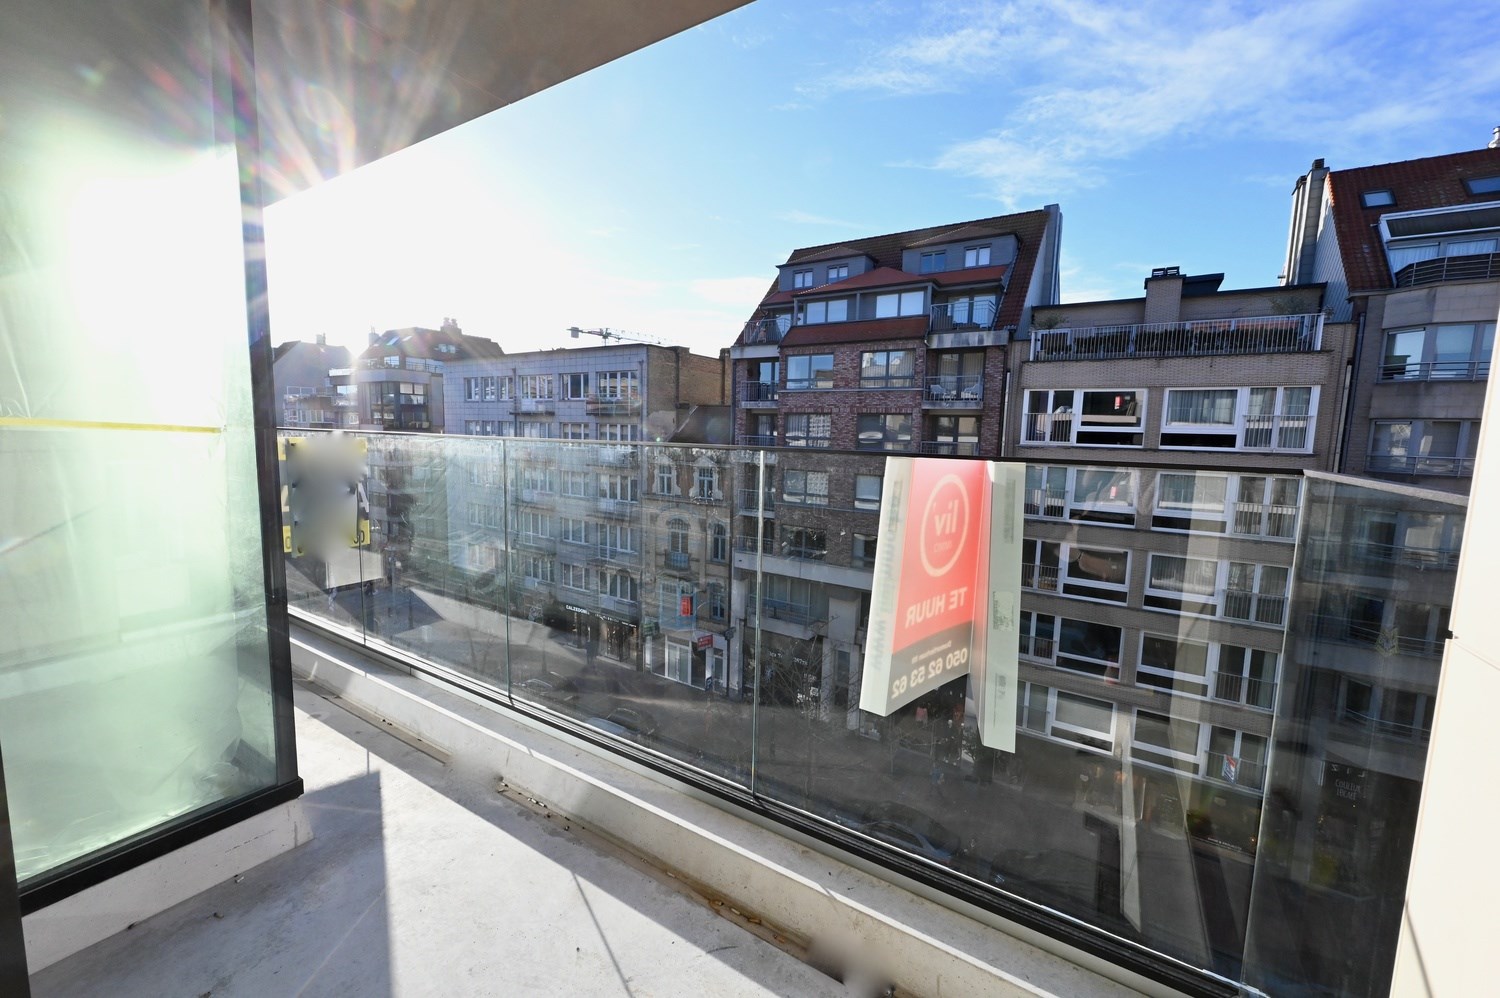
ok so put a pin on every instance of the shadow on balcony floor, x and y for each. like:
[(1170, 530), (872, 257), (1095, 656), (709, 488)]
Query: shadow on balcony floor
[(422, 880)]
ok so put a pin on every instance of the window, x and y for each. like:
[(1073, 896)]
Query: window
[(1377, 198), (677, 545), (806, 487), (807, 543), (1236, 757), (836, 310), (536, 386), (888, 431), (1247, 676), (1040, 561), (575, 386), (666, 479), (1483, 185), (706, 483), (578, 484), (934, 262), (1394, 712), (867, 491), (1095, 418), (483, 557), (1402, 255), (537, 479), (889, 306), (618, 584), (1096, 573), (1170, 742), (575, 577), (718, 546), (863, 553), (621, 488), (573, 529), (804, 371), (887, 369), (575, 431), (1091, 495), (1423, 447), (1174, 663), (617, 540), (1191, 500), (536, 569), (802, 278), (472, 427), (1256, 593), (533, 525), (1275, 419), (1087, 646), (809, 429), (1267, 507), (1186, 585), (952, 435), (617, 385), (1454, 351), (619, 432), (1038, 635), (505, 385), (472, 389), (1083, 720), (838, 272), (976, 256)]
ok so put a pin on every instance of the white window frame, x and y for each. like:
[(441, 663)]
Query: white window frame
[(838, 272), (1243, 430), (805, 494), (1091, 589), (1459, 464), (575, 386), (1060, 421), (977, 256), (900, 303), (802, 278), (867, 483)]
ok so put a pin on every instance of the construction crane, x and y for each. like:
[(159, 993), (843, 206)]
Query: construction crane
[(613, 334)]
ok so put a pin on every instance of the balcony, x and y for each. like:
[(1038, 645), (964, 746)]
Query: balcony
[(759, 394), (613, 403), (949, 448), (767, 331), (1235, 771), (536, 407), (756, 440), (954, 392), (537, 542), (1415, 465), (676, 561), (1396, 369), (617, 555), (1480, 267), (620, 508), (623, 606), (622, 456), (793, 613), (956, 316), (1205, 338), (747, 501)]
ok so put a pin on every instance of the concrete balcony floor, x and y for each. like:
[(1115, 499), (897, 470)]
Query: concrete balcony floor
[(424, 879)]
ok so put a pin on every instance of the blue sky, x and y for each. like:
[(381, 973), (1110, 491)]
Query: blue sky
[(657, 194)]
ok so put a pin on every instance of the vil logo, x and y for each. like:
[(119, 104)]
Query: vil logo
[(944, 525)]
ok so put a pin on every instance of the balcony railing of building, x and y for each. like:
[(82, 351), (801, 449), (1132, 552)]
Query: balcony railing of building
[(951, 391), (766, 331), (617, 555), (1243, 604), (1387, 640), (1479, 267), (618, 507), (1418, 731), (1198, 338), (1235, 771), (1043, 577), (1417, 464), (621, 455), (1035, 646), (612, 403), (536, 407), (759, 393), (747, 501), (949, 448), (623, 605), (677, 561), (1395, 369), (789, 611), (756, 440), (1251, 692), (947, 317)]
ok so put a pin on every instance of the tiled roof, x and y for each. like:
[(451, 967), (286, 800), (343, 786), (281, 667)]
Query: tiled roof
[(417, 341), (973, 275), (880, 277), (832, 253), (1435, 182), (909, 327), (959, 234), (1027, 226)]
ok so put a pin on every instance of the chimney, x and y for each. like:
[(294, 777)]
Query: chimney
[(322, 339), (450, 326), (1495, 138), (373, 336), (1164, 295)]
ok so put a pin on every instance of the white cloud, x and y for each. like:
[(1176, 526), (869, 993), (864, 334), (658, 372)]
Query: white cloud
[(797, 217), (1121, 79)]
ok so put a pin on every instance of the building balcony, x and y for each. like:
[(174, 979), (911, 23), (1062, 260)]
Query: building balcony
[(949, 448), (1416, 465), (536, 407), (1398, 369), (1201, 338), (759, 394), (607, 404), (1235, 771), (1480, 267), (537, 542), (676, 561), (756, 440), (620, 508), (1232, 688), (767, 331), (954, 392), (957, 316), (747, 501), (617, 556), (620, 605)]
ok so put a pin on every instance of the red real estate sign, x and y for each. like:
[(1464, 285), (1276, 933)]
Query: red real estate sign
[(921, 632)]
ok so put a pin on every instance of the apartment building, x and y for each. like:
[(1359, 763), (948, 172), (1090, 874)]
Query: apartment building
[(627, 545), (1409, 253), (895, 343), (312, 385)]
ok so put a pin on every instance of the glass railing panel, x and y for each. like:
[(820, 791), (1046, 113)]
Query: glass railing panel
[(1367, 621)]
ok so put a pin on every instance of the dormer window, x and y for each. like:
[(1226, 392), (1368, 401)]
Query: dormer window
[(934, 262), (1377, 198), (1483, 185), (802, 279), (826, 311), (976, 256), (838, 272)]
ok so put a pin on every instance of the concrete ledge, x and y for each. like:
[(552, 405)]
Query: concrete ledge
[(923, 947), (77, 922)]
